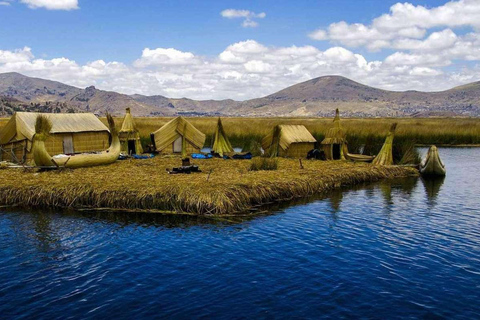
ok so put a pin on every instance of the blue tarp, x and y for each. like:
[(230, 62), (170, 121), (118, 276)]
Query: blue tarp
[(143, 156), (201, 156)]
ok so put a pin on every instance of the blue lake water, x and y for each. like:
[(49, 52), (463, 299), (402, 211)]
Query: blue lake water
[(404, 248)]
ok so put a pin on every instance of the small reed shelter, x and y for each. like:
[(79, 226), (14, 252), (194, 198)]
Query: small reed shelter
[(178, 136), (335, 142), (70, 133), (221, 144), (129, 135), (293, 141), (385, 156)]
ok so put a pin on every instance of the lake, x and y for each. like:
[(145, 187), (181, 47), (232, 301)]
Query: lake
[(402, 248)]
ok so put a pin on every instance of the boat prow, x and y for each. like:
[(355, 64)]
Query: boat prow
[(432, 165)]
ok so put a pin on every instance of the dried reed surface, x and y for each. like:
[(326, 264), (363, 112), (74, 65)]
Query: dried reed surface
[(224, 186)]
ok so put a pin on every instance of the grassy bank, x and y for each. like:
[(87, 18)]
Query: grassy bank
[(224, 187)]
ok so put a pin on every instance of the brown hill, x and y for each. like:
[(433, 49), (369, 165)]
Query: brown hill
[(34, 90), (320, 96)]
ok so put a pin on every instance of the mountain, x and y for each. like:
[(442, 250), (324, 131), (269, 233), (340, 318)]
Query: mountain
[(321, 96), (40, 91), (316, 97)]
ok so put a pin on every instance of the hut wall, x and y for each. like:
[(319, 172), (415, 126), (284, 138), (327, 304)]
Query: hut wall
[(190, 149), (297, 150), (82, 142), (328, 149), (91, 141), (126, 136)]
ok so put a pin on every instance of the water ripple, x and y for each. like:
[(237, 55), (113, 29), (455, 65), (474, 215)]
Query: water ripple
[(398, 249)]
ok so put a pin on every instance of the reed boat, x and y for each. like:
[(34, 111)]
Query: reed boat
[(43, 159), (359, 157), (432, 165)]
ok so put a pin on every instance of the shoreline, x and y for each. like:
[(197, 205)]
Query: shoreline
[(225, 187)]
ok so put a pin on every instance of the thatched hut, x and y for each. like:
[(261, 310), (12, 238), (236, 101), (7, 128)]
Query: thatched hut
[(178, 136), (334, 144), (221, 144), (385, 156), (129, 135), (70, 133), (289, 141)]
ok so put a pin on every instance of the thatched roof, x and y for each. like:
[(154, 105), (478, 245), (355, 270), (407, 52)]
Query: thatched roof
[(221, 144), (288, 134), (335, 135), (22, 124), (175, 128), (128, 125)]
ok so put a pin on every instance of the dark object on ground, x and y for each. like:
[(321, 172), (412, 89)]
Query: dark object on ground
[(316, 154), (185, 169), (185, 162), (242, 156), (150, 149)]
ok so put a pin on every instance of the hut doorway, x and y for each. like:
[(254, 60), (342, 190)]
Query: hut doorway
[(68, 144), (131, 147), (177, 145), (336, 151)]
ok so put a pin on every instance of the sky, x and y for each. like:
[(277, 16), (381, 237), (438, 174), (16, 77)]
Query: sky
[(240, 49)]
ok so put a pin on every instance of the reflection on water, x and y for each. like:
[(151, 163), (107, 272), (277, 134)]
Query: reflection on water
[(401, 248), (432, 188)]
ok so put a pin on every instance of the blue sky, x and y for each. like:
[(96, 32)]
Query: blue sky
[(119, 30), (36, 33)]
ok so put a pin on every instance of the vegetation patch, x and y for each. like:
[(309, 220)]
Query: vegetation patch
[(263, 163)]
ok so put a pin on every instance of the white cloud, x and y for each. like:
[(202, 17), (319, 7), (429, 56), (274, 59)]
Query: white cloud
[(52, 4), (249, 69), (246, 14), (247, 23), (405, 23), (19, 55), (161, 56), (4, 3)]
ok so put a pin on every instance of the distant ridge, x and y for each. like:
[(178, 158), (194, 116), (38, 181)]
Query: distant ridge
[(315, 97)]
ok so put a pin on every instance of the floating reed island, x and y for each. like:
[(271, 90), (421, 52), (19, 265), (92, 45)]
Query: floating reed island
[(226, 185), (223, 187)]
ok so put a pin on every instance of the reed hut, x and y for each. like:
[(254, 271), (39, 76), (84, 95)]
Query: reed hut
[(221, 144), (129, 135), (334, 144), (385, 156), (293, 141), (178, 136), (70, 133)]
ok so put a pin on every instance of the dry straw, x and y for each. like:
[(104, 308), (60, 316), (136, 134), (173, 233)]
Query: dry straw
[(231, 188)]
